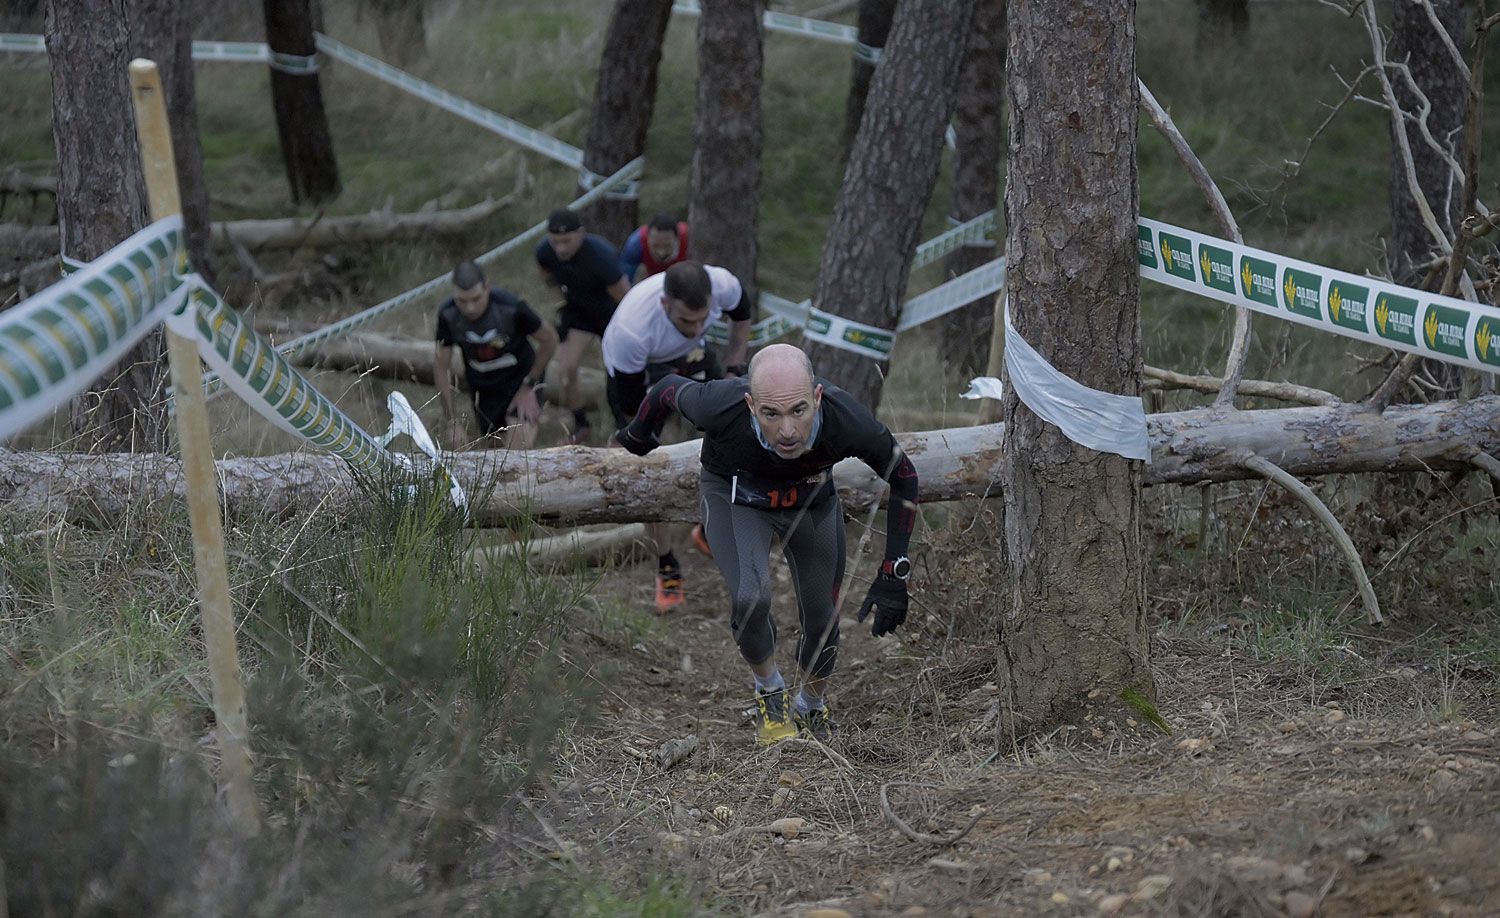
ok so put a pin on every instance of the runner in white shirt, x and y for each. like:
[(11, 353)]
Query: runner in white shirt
[(657, 330)]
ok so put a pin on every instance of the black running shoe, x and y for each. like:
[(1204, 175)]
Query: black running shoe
[(817, 724)]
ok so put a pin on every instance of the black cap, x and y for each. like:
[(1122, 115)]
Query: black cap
[(564, 220)]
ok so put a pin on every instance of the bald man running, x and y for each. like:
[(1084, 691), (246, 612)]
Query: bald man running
[(769, 447)]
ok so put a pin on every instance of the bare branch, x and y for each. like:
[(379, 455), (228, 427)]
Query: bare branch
[(1302, 492), (1239, 348), (1489, 464), (908, 831), (1286, 392), (1442, 31)]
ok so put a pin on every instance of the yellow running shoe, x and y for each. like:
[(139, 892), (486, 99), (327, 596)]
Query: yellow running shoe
[(773, 717)]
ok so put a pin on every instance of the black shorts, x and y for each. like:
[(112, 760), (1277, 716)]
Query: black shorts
[(704, 368), (492, 403), (592, 320)]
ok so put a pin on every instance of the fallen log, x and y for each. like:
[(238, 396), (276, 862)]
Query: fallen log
[(579, 485), (298, 232), (379, 226)]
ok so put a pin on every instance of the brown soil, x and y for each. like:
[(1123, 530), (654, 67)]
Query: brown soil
[(1281, 790)]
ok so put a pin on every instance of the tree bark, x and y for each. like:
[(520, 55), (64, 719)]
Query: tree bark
[(892, 169), (1076, 622), (578, 485), (1415, 42), (624, 102), (1222, 23), (725, 206), (162, 30), (874, 25), (312, 172), (101, 199), (401, 30), (976, 179)]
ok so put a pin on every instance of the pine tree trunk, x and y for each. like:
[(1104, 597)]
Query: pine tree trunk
[(1076, 621), (874, 24), (976, 179), (892, 169), (401, 30), (1415, 41), (1222, 23), (301, 122), (727, 137), (624, 101), (101, 199), (162, 30)]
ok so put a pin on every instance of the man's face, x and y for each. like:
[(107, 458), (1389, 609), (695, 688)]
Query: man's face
[(473, 301), (786, 414), (662, 243), (688, 321), (566, 245)]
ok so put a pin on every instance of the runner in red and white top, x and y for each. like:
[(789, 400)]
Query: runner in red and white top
[(658, 330), (655, 246)]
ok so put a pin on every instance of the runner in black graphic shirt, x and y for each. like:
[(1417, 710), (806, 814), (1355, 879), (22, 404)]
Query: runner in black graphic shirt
[(494, 330), (769, 447)]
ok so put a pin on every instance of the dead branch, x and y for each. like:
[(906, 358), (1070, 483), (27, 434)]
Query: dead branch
[(1487, 463), (381, 226), (1272, 472), (919, 837), (14, 181), (1157, 378), (1239, 348), (627, 541)]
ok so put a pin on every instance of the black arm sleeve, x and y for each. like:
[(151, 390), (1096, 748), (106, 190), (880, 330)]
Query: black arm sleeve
[(659, 404), (880, 452), (742, 310)]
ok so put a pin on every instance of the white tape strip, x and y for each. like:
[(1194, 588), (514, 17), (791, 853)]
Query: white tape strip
[(868, 53), (960, 291), (404, 420), (1101, 421), (846, 334), (833, 32), (29, 44), (589, 180), (969, 232), (235, 51), (294, 64), (508, 128)]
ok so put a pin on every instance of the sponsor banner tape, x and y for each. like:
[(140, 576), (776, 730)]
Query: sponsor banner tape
[(252, 368), (295, 64), (513, 130), (960, 291), (819, 29), (978, 229), (54, 344), (846, 334), (1363, 308), (12, 41), (241, 51)]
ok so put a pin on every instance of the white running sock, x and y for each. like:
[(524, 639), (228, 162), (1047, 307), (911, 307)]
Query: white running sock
[(771, 683), (806, 702)]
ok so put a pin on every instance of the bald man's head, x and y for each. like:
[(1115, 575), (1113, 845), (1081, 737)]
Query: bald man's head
[(784, 398)]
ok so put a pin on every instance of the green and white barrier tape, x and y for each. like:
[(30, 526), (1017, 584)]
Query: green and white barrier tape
[(819, 29), (244, 52), (960, 291), (31, 44), (1363, 308), (250, 366), (868, 53), (513, 130), (57, 342), (969, 232)]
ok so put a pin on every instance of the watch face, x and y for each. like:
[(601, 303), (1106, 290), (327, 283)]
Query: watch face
[(901, 567)]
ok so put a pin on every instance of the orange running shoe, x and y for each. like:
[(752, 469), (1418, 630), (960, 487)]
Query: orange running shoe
[(669, 593), (700, 540)]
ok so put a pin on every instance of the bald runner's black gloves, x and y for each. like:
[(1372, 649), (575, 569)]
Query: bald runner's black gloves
[(637, 438), (887, 598)]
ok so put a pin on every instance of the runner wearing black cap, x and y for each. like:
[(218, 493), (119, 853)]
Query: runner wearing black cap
[(586, 270)]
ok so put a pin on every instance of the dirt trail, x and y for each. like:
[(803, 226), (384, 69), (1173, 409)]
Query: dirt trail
[(1276, 794)]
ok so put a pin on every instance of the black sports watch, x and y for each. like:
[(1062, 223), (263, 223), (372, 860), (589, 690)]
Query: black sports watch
[(900, 568)]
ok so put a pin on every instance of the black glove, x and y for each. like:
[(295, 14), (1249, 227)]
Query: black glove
[(887, 597), (638, 443)]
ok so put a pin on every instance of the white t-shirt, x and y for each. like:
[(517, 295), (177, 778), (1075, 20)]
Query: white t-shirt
[(640, 332)]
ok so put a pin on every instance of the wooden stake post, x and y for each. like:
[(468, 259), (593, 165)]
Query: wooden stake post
[(198, 468)]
